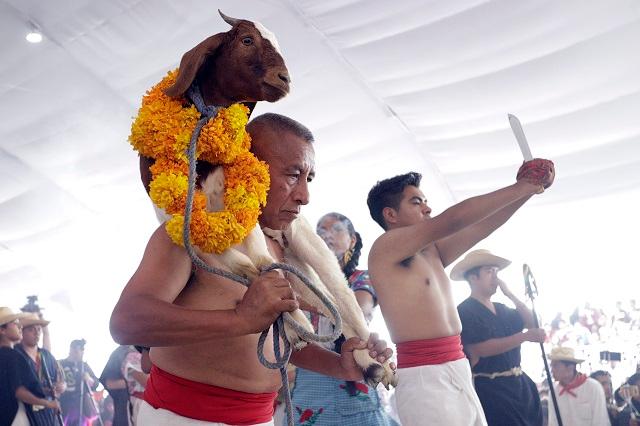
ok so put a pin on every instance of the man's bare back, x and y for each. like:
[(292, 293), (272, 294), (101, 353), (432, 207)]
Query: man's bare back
[(416, 298)]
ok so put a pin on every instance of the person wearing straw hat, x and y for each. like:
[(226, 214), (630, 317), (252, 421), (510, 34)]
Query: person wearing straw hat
[(44, 367), (18, 386), (492, 334), (581, 399), (406, 266)]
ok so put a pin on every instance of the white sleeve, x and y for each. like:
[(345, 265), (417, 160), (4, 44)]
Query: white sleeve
[(600, 416)]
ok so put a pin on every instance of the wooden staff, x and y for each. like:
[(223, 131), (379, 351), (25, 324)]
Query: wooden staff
[(47, 378), (532, 292)]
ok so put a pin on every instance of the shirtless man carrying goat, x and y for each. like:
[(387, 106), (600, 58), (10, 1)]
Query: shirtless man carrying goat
[(203, 329), (406, 265)]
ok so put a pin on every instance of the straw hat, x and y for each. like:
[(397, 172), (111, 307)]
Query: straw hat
[(31, 318), (564, 354), (474, 259), (7, 315)]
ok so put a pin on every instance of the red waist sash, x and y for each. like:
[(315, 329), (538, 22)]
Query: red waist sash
[(207, 402), (429, 351)]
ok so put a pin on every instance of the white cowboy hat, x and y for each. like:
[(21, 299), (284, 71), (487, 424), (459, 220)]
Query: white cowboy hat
[(7, 315), (564, 354), (30, 318), (474, 259)]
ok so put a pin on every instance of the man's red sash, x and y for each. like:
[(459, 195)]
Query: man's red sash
[(429, 351), (207, 402)]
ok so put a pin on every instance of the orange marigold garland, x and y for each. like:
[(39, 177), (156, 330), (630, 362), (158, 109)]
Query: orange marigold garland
[(162, 131)]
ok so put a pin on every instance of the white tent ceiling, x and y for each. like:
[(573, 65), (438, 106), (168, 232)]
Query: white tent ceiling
[(386, 87)]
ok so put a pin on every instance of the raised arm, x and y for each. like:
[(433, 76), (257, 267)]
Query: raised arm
[(401, 243), (456, 245), (145, 314)]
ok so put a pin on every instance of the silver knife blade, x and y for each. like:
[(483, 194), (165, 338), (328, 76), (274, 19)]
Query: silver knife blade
[(520, 137)]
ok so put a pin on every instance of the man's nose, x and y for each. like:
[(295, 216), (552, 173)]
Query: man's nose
[(301, 194)]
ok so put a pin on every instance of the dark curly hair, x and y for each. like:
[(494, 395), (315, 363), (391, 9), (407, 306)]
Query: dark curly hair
[(388, 193)]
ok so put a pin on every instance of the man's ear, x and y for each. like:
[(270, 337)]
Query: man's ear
[(390, 215)]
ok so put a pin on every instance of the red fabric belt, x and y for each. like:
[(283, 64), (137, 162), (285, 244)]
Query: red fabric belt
[(429, 351), (207, 402)]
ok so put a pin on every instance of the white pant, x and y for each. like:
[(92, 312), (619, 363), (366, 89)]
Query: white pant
[(21, 418), (149, 416), (438, 395)]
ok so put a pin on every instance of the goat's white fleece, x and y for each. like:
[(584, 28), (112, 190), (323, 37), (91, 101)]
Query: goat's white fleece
[(304, 249)]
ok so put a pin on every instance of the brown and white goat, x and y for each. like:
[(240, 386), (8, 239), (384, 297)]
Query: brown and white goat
[(245, 65)]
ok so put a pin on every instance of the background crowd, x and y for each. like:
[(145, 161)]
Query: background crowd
[(607, 337)]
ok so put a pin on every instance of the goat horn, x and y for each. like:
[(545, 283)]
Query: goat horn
[(229, 20)]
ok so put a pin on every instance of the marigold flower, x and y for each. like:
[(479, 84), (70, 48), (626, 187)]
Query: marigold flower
[(162, 130)]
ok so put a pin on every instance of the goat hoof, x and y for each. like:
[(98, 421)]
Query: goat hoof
[(373, 374)]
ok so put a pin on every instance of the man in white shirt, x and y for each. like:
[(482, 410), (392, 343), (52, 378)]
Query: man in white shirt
[(580, 398)]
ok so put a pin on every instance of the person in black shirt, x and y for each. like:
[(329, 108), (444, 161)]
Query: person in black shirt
[(491, 336), (17, 384), (80, 381), (44, 370), (114, 382)]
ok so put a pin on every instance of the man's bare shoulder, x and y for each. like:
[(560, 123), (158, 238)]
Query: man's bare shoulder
[(164, 265), (160, 244), (382, 246)]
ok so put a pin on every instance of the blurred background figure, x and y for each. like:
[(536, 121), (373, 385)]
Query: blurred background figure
[(18, 385), (338, 232), (114, 382), (50, 381), (580, 398), (630, 393), (604, 378), (78, 405), (136, 379), (322, 399), (32, 307)]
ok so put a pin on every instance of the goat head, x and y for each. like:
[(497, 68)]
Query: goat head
[(243, 64)]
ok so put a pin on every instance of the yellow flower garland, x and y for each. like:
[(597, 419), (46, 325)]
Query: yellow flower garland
[(162, 131)]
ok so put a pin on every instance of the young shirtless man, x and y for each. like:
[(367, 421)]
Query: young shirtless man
[(203, 329), (406, 265)]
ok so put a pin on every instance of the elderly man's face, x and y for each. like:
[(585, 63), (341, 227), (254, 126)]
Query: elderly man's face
[(291, 162)]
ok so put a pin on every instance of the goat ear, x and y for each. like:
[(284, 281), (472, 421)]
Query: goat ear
[(191, 63)]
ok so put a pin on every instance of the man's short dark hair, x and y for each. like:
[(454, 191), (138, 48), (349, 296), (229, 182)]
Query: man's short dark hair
[(599, 373), (634, 380), (388, 193), (281, 123)]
